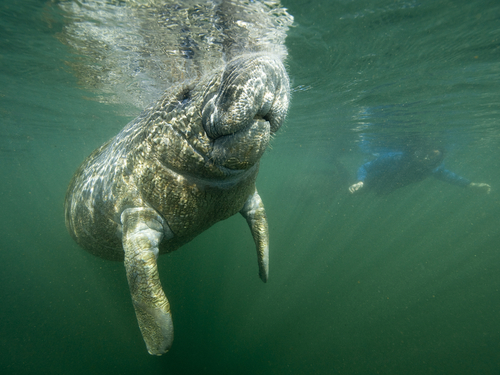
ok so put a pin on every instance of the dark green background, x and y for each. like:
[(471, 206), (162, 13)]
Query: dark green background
[(401, 284)]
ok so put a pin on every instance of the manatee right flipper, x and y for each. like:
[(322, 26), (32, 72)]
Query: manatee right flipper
[(143, 229), (255, 214)]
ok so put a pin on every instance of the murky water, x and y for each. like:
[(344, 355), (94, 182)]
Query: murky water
[(404, 283)]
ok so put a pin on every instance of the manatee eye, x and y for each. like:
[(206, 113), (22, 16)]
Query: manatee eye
[(184, 98)]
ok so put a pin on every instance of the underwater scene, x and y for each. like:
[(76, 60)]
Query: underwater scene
[(381, 188)]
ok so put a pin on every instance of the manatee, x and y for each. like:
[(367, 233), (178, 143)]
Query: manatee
[(189, 160)]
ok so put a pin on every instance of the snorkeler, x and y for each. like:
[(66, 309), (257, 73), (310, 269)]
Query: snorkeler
[(392, 170)]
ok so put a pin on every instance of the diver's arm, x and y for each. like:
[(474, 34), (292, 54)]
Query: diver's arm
[(383, 163), (445, 175), (448, 176), (362, 172)]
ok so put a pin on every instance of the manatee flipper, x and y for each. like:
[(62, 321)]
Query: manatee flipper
[(142, 231), (255, 214)]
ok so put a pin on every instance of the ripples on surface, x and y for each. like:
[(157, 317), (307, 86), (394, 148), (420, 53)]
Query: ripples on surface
[(432, 66), (130, 51)]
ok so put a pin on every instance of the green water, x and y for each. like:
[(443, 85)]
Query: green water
[(406, 283)]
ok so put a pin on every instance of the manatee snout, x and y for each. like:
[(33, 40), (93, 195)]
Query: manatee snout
[(250, 104), (243, 149)]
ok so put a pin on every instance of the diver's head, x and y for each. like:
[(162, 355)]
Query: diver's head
[(428, 158)]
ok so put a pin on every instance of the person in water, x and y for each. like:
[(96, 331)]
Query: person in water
[(392, 170)]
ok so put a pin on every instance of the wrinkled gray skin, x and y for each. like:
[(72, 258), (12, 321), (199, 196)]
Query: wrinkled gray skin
[(186, 163)]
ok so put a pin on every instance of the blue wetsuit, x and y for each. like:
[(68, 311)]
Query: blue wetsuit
[(395, 169)]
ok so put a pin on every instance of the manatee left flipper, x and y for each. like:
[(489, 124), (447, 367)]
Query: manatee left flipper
[(255, 214), (143, 229)]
